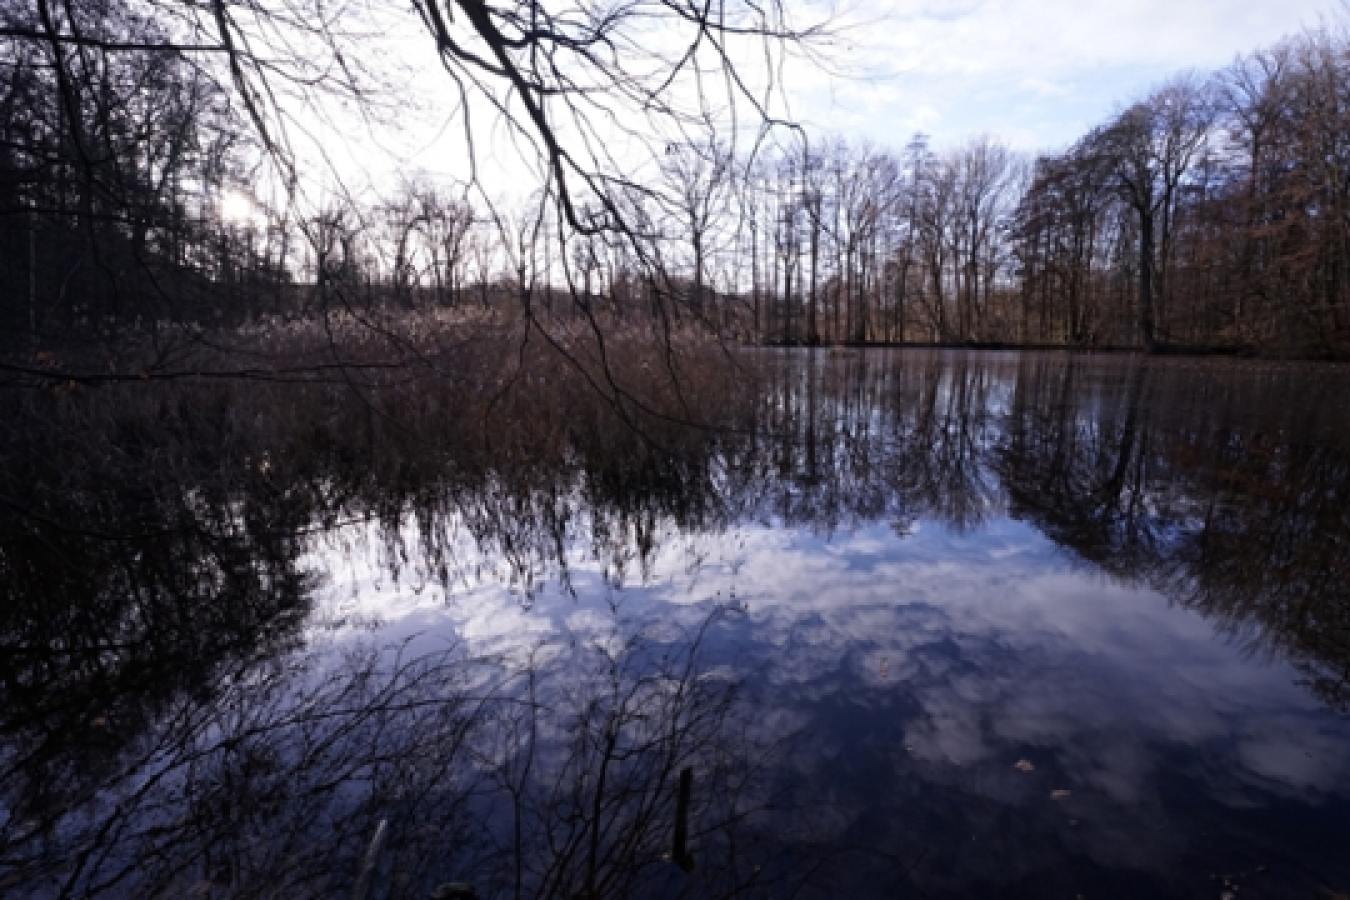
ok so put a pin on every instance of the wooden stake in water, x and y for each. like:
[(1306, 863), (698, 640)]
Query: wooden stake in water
[(680, 853), (368, 864)]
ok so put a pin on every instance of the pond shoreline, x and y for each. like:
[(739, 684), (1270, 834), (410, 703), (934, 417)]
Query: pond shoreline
[(1162, 350)]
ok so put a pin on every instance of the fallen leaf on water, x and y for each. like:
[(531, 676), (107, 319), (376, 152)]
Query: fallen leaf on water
[(1024, 765)]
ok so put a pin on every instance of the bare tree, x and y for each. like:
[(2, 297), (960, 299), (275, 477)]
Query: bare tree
[(1152, 146)]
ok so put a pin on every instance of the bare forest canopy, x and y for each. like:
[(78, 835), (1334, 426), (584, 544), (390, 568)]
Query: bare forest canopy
[(149, 203)]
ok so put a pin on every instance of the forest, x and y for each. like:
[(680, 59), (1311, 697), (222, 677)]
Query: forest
[(494, 526), (1212, 214)]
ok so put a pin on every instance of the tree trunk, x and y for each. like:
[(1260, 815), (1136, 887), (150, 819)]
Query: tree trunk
[(1146, 333)]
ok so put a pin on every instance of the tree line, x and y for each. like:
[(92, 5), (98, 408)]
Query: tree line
[(1213, 213)]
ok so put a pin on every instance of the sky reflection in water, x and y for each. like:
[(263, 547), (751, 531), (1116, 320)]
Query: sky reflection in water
[(971, 702), (995, 624)]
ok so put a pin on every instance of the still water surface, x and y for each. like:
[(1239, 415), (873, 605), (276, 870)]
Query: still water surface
[(918, 624)]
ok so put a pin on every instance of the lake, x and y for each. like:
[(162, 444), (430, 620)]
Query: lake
[(914, 623)]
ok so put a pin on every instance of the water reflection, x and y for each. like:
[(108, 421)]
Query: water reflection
[(958, 652)]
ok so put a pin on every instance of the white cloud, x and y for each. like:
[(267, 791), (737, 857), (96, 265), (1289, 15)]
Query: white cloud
[(1037, 72)]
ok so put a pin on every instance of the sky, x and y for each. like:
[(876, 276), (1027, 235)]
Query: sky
[(1036, 73)]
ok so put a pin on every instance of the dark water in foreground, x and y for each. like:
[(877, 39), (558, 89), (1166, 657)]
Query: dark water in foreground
[(928, 624)]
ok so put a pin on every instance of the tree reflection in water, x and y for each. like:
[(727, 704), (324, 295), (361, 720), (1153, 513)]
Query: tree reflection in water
[(521, 782), (173, 721)]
